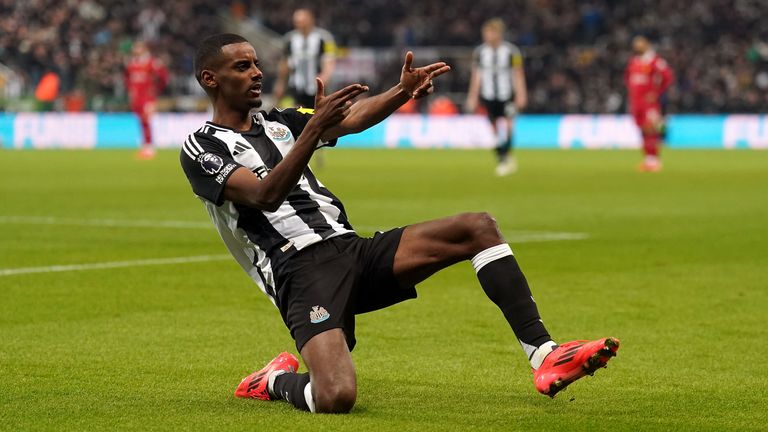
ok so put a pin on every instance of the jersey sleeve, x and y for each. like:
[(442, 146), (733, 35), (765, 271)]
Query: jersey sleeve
[(296, 119), (328, 49), (476, 57), (666, 74), (287, 45), (208, 165), (515, 57)]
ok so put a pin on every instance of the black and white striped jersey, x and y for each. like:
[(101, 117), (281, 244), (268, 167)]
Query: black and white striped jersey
[(261, 241), (305, 55), (495, 66)]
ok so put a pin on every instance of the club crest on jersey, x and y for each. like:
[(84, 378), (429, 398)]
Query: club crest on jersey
[(318, 314), (211, 163), (278, 132)]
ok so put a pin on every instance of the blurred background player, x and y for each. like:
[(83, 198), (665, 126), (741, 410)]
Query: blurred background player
[(647, 77), (309, 53), (497, 79), (145, 79)]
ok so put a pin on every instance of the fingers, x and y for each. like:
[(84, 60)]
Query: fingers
[(439, 71), (350, 89), (347, 107), (424, 89), (424, 93), (320, 92), (434, 70), (347, 98), (347, 93), (408, 61), (435, 66)]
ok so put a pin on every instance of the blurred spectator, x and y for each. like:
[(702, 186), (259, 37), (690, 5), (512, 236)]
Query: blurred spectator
[(85, 42)]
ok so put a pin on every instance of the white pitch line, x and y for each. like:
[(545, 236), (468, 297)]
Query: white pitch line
[(112, 264), (140, 223), (511, 236)]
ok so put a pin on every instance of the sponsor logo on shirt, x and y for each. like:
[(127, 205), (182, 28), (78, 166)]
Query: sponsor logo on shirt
[(223, 174), (211, 163)]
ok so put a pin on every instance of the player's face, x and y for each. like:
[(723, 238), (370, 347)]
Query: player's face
[(303, 20), (640, 45), (139, 49), (491, 35), (239, 77)]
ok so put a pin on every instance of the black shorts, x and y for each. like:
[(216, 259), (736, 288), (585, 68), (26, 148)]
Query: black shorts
[(496, 108), (325, 285)]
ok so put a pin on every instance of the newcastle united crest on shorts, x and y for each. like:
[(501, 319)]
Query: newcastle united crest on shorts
[(318, 314)]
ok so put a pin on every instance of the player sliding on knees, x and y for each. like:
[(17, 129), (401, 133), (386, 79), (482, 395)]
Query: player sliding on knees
[(292, 235)]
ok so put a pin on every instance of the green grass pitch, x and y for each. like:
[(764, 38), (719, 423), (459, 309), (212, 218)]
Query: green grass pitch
[(675, 264)]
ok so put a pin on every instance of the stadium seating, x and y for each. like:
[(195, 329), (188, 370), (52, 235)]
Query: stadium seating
[(575, 54)]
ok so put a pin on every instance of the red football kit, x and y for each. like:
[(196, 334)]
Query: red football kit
[(145, 78), (647, 77)]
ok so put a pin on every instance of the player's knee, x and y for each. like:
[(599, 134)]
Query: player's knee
[(483, 230), (335, 399), (484, 226)]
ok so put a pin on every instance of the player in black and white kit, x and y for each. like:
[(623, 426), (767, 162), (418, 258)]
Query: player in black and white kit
[(498, 79), (293, 238), (309, 52)]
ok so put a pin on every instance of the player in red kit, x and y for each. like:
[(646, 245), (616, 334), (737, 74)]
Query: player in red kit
[(145, 78), (647, 77)]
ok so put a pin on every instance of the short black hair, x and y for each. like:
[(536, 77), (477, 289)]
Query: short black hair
[(210, 48)]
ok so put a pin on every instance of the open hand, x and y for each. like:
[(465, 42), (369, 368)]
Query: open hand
[(332, 109), (418, 82)]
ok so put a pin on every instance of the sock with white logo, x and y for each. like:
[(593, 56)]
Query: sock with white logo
[(294, 388), (504, 283)]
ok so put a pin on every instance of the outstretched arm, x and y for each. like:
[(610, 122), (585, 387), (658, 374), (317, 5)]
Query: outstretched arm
[(473, 94), (414, 83), (667, 76), (244, 187), (521, 89)]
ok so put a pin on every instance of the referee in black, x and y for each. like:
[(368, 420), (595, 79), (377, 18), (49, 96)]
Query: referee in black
[(292, 236)]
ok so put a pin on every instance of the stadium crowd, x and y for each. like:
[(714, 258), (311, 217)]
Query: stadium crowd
[(86, 42), (576, 52), (575, 55)]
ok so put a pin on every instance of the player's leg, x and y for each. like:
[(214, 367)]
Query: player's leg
[(428, 247), (505, 124), (144, 109), (315, 300), (648, 120), (502, 129), (331, 371), (431, 246), (329, 387)]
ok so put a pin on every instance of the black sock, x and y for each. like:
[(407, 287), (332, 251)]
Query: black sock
[(291, 387), (504, 283)]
